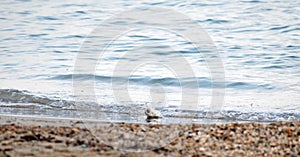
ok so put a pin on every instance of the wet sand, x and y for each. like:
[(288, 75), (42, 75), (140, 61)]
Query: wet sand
[(20, 136)]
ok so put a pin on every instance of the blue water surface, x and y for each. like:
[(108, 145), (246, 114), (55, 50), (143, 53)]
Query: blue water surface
[(258, 42)]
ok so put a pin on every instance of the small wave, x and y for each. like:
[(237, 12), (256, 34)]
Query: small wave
[(252, 1), (293, 57), (290, 30), (214, 21), (23, 96), (293, 47), (72, 36), (142, 80), (260, 116), (245, 85), (47, 18), (8, 30), (279, 27), (82, 77), (127, 112), (139, 36), (37, 35), (80, 12), (239, 84), (20, 100), (73, 5), (277, 67), (197, 82), (233, 115), (25, 12)]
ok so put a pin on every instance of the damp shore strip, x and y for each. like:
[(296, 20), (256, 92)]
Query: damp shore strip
[(23, 136)]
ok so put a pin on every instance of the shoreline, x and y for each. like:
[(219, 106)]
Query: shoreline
[(42, 136)]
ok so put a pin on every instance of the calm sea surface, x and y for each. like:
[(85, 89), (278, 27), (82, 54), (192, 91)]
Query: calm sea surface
[(258, 42)]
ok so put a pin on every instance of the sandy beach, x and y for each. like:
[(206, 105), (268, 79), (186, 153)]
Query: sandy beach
[(184, 78), (21, 136)]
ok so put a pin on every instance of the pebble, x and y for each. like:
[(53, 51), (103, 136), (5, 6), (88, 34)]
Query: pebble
[(6, 148), (4, 143), (29, 137), (49, 146), (233, 139)]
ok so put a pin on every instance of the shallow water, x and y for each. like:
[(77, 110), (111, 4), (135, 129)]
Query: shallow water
[(258, 42)]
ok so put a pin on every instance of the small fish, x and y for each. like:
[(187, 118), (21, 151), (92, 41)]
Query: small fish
[(151, 113)]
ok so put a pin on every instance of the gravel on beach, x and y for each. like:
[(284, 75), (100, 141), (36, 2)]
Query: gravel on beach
[(126, 139)]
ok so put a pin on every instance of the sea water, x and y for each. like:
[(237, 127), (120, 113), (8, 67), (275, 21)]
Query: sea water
[(257, 41)]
